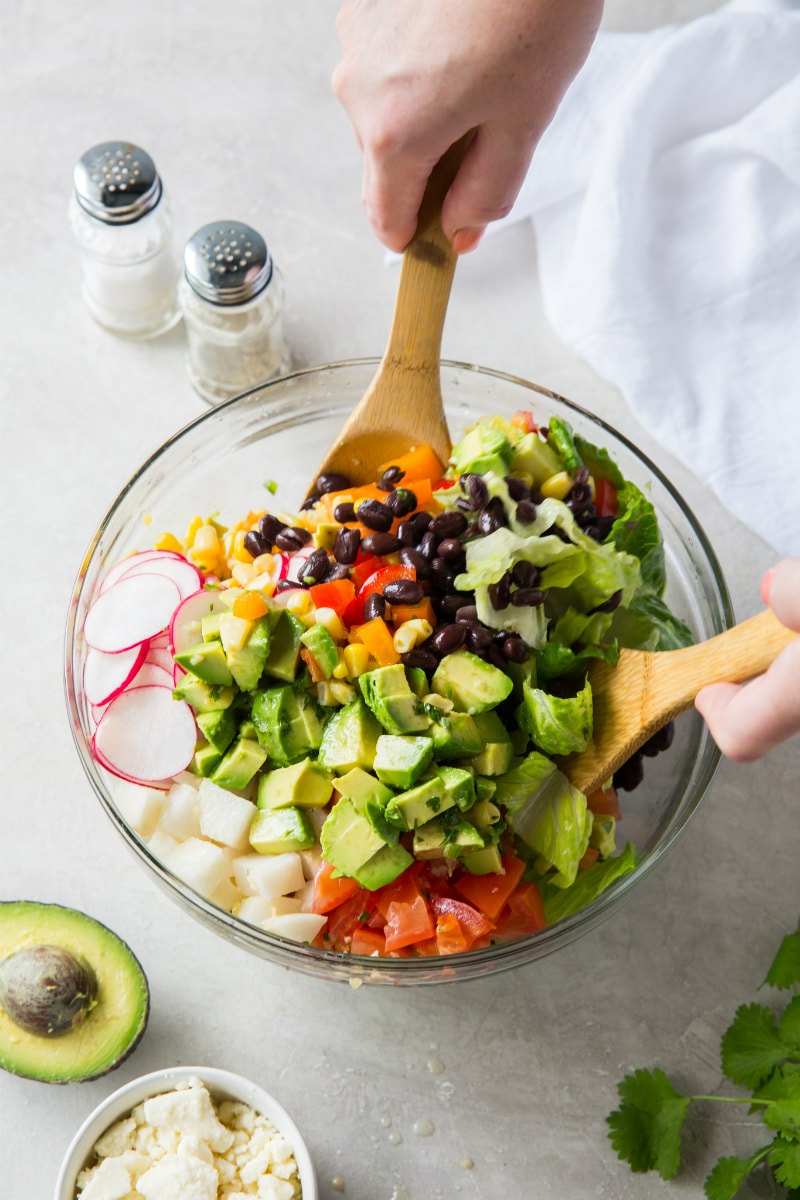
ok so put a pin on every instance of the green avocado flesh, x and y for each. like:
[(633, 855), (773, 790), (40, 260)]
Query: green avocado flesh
[(117, 1012)]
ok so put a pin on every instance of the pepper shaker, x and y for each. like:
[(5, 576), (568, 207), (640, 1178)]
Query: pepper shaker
[(231, 297), (121, 217)]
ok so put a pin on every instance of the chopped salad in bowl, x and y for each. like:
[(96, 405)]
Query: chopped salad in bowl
[(339, 726)]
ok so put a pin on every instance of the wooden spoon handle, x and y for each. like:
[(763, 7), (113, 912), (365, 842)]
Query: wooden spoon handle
[(738, 654)]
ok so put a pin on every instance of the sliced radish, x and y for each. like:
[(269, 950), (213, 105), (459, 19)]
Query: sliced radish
[(161, 656), (132, 611), (185, 628), (141, 556), (296, 562), (146, 735), (150, 674), (105, 675), (183, 573)]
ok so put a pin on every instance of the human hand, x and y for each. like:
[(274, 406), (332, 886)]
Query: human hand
[(747, 721), (414, 77)]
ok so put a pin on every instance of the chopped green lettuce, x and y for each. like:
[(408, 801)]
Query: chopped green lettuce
[(548, 814), (588, 885), (557, 725)]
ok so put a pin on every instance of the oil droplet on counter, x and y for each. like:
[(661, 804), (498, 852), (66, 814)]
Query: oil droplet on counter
[(435, 1066), (400, 1192), (423, 1127), (467, 1164), (386, 1121), (394, 1138), (337, 1183)]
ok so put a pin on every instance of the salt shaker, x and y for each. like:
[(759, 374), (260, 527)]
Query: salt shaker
[(231, 297), (121, 217)]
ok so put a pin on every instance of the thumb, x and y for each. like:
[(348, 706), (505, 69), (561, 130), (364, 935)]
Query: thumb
[(781, 591), (487, 183)]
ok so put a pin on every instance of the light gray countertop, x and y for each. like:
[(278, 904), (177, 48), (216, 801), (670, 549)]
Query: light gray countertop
[(516, 1072)]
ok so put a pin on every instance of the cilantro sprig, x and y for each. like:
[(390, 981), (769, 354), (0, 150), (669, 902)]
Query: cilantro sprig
[(760, 1052)]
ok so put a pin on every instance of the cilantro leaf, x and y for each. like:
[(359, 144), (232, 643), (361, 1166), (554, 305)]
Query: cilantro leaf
[(752, 1047), (785, 969), (781, 1093), (729, 1174), (790, 1028), (784, 1158), (645, 1130)]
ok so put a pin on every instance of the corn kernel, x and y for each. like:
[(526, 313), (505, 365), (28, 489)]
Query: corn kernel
[(340, 670), (410, 634), (343, 693), (206, 541), (168, 541), (325, 694), (332, 622), (590, 482), (558, 486), (236, 548), (194, 525), (298, 602), (356, 656), (437, 701), (243, 573)]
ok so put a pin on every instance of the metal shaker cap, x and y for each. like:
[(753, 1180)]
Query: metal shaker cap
[(227, 262), (117, 182)]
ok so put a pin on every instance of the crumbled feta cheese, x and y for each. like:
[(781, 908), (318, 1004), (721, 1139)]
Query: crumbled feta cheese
[(116, 1139), (109, 1181), (179, 1177), (189, 1112)]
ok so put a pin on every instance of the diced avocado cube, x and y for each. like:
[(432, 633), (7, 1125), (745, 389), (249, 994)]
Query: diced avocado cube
[(280, 830), (483, 448), (318, 641), (287, 724), (207, 661), (483, 815), (371, 797), (418, 804), (347, 839), (203, 697), (536, 458), (206, 758), (284, 649), (459, 786), (483, 862), (304, 784), (239, 764), (484, 788), (325, 534), (418, 681), (387, 692), (400, 760), (248, 730), (247, 663), (446, 836), (462, 838), (497, 755), (209, 627), (218, 727), (473, 685), (349, 738), (455, 735), (384, 867)]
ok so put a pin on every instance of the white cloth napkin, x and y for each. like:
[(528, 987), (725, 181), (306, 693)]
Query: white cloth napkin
[(666, 201)]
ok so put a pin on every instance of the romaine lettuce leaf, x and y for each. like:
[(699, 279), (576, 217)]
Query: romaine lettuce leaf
[(555, 660), (557, 725), (588, 885), (548, 814)]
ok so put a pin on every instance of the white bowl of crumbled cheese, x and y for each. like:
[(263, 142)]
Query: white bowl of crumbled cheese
[(188, 1131)]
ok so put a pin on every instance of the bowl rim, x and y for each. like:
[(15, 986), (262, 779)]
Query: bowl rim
[(221, 1083), (469, 964)]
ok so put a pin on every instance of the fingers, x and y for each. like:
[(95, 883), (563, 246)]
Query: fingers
[(486, 185), (781, 591), (392, 194)]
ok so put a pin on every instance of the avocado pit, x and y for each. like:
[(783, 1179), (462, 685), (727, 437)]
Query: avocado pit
[(47, 990)]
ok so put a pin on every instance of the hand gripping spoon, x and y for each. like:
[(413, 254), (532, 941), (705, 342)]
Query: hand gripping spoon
[(402, 407), (646, 689)]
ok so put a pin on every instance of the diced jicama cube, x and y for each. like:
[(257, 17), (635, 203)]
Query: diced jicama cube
[(281, 905), (298, 927), (161, 844), (181, 815), (199, 863), (269, 875), (140, 806), (312, 861), (224, 816), (226, 895), (254, 910)]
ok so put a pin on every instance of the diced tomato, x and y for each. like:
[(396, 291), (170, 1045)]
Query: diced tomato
[(589, 858), (442, 485), (314, 669), (336, 595), (605, 803), (523, 419), (386, 573), (368, 942), (331, 891), (408, 923), (375, 635), (403, 890), (364, 566), (347, 917), (526, 903), (450, 938), (605, 498), (473, 924), (490, 892)]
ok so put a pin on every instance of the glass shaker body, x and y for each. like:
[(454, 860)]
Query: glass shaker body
[(129, 265), (231, 297)]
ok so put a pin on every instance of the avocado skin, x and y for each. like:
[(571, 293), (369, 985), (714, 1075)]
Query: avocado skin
[(31, 922)]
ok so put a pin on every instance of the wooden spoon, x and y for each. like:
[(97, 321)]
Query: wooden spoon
[(402, 407), (645, 690)]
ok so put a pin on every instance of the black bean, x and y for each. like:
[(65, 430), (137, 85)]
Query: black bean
[(464, 505), (403, 591), (451, 604), (380, 543), (448, 524), (292, 538), (413, 558), (526, 512), (557, 531), (428, 544), (581, 475), (315, 568), (527, 597), (515, 650), (310, 502), (478, 638), (269, 527), (497, 509), (344, 512), (345, 547), (420, 658), (390, 478), (467, 614), (374, 606), (630, 774), (337, 571), (285, 585), (406, 534), (517, 490), (255, 544), (661, 740), (443, 576), (476, 490), (525, 574), (448, 638), (579, 497), (401, 502), (330, 481), (500, 593), (611, 604), (450, 547), (494, 656), (487, 522), (375, 515)]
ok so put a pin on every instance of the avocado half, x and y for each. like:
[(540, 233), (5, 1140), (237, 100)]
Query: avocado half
[(74, 1000)]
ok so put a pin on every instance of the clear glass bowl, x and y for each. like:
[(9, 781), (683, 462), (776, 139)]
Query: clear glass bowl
[(279, 432)]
